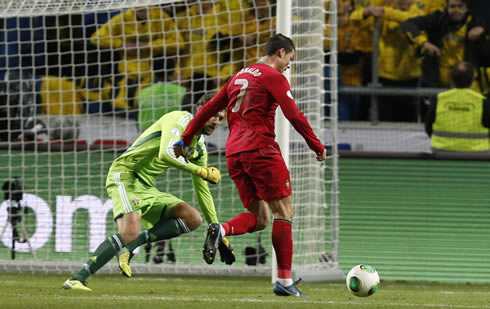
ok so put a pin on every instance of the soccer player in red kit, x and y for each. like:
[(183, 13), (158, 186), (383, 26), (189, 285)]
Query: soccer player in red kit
[(253, 157)]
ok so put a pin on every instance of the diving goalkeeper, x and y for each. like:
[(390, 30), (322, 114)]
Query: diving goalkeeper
[(137, 203)]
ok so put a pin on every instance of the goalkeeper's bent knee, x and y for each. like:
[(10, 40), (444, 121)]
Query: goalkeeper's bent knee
[(211, 174)]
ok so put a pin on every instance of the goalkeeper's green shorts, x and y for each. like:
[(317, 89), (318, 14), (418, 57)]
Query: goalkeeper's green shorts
[(129, 194)]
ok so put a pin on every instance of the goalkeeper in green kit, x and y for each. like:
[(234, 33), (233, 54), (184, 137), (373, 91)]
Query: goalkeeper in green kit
[(137, 203)]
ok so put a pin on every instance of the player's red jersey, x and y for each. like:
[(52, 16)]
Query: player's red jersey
[(251, 97)]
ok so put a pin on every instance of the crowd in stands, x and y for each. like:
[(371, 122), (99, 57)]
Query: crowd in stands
[(101, 62), (419, 42)]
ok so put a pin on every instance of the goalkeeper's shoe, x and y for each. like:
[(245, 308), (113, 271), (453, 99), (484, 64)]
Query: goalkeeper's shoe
[(213, 238), (290, 290), (124, 259), (71, 284)]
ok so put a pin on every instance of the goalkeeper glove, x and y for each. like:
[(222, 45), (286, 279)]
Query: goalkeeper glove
[(180, 149), (226, 251), (211, 174)]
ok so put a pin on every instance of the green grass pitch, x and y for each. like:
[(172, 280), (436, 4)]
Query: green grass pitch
[(146, 291)]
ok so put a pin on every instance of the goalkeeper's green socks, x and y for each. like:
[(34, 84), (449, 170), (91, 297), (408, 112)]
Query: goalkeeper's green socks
[(140, 240), (167, 229), (162, 230), (111, 246), (103, 254)]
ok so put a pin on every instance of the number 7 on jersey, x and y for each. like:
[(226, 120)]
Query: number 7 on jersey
[(239, 100)]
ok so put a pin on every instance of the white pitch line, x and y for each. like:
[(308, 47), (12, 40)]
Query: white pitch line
[(248, 300)]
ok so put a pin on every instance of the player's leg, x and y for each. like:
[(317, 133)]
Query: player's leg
[(282, 210), (165, 216), (271, 178), (127, 194), (121, 188), (257, 217), (129, 227), (108, 249), (216, 241), (182, 218), (282, 240), (104, 253), (246, 222), (187, 214)]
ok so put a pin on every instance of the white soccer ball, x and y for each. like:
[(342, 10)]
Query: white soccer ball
[(362, 280)]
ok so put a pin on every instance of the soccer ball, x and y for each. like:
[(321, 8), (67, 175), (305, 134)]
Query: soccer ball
[(362, 280)]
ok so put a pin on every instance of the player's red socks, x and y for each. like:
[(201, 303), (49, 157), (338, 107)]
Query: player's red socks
[(241, 224), (282, 240)]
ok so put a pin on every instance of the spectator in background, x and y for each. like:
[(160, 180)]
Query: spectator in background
[(229, 14), (481, 10), (45, 57), (443, 37), (244, 44), (159, 99), (398, 65), (227, 39), (144, 38), (53, 45), (366, 37), (96, 61), (365, 45), (460, 118), (429, 6), (351, 59), (195, 26), (260, 25), (222, 37)]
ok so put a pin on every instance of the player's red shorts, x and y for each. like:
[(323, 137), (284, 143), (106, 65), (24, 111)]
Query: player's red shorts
[(260, 174)]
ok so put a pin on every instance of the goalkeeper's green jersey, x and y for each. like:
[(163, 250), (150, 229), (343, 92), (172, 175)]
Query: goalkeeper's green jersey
[(152, 154)]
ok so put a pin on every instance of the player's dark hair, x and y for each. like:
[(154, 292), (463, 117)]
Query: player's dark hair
[(204, 99), (462, 75), (277, 42)]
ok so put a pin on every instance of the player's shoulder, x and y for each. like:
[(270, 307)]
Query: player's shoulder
[(178, 117), (177, 114)]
